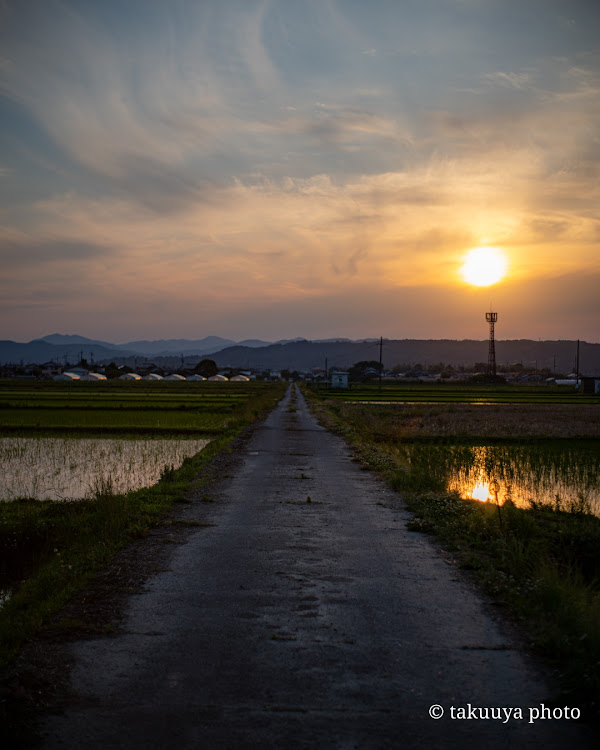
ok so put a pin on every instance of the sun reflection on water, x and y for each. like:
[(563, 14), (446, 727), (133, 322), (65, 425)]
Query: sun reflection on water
[(562, 477), (480, 491)]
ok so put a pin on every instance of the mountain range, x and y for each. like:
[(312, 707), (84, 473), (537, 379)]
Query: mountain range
[(61, 348), (300, 354)]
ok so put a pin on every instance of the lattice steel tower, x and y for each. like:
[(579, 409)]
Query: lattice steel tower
[(491, 318)]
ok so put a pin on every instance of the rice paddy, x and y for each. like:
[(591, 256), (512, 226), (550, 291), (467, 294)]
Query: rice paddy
[(526, 453), (63, 468), (551, 474), (123, 408), (67, 441), (440, 392)]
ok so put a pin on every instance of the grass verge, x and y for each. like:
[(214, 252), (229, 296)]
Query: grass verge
[(541, 564)]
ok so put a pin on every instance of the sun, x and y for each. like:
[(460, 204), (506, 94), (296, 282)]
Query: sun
[(484, 266)]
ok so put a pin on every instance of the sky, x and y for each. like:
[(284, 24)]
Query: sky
[(280, 168)]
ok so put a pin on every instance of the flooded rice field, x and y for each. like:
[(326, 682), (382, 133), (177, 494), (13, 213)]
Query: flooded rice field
[(74, 469), (561, 474)]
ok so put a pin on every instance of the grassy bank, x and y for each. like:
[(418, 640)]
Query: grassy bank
[(541, 563), (50, 549)]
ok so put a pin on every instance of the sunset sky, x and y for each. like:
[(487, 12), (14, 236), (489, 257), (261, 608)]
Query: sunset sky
[(173, 168)]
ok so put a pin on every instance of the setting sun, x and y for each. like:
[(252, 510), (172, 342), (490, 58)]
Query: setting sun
[(484, 266)]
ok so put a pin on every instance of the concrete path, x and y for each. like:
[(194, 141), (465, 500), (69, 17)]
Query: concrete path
[(297, 624)]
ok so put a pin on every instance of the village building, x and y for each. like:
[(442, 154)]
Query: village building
[(339, 379)]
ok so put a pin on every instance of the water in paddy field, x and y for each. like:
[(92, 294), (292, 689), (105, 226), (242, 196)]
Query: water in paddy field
[(562, 474), (74, 468)]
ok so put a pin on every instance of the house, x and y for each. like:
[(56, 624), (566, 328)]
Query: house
[(339, 379), (49, 369)]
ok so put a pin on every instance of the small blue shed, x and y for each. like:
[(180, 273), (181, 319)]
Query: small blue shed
[(339, 379)]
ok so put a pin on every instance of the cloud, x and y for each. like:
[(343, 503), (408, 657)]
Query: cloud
[(121, 112), (53, 252), (512, 80), (260, 153)]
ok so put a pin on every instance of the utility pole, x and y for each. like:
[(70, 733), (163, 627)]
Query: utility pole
[(380, 359), (577, 363), (326, 373)]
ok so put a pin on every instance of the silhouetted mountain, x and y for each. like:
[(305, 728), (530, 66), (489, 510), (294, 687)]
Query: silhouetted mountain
[(39, 351), (179, 346), (300, 354), (306, 355), (253, 343), (147, 347), (61, 339)]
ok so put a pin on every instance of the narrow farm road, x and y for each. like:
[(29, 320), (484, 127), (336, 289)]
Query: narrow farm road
[(307, 616)]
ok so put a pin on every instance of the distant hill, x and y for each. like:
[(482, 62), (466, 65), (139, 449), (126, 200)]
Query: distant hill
[(178, 346), (253, 343), (306, 355), (156, 347), (60, 347), (40, 351), (61, 339), (300, 354)]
